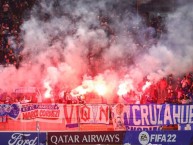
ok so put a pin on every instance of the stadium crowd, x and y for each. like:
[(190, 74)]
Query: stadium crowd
[(170, 89), (12, 13)]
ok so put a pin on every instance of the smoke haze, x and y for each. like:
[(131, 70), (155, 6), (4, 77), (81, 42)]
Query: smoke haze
[(65, 41)]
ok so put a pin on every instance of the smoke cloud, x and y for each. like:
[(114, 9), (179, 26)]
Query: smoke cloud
[(64, 41)]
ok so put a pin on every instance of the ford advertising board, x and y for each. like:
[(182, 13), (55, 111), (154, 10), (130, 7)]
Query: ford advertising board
[(22, 138)]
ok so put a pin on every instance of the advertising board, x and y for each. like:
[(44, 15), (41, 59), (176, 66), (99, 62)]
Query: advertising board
[(99, 137), (22, 138)]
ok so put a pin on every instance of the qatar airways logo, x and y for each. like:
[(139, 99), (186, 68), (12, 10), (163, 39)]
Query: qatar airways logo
[(22, 139)]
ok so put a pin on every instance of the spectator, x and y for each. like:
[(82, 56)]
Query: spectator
[(179, 94), (171, 98), (186, 99), (163, 88), (5, 8)]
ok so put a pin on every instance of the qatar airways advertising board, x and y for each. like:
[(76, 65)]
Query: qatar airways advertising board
[(22, 138), (72, 138)]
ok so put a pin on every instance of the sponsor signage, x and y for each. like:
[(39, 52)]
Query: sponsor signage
[(105, 137), (22, 138), (159, 138)]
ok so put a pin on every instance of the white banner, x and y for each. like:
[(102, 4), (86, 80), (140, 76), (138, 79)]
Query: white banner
[(42, 112)]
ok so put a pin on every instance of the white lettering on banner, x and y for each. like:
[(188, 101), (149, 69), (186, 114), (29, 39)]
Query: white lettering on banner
[(183, 116), (151, 111), (101, 138), (154, 115), (135, 121), (163, 138), (176, 114), (146, 138), (66, 139), (144, 114), (167, 115), (191, 114), (17, 139), (159, 107)]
